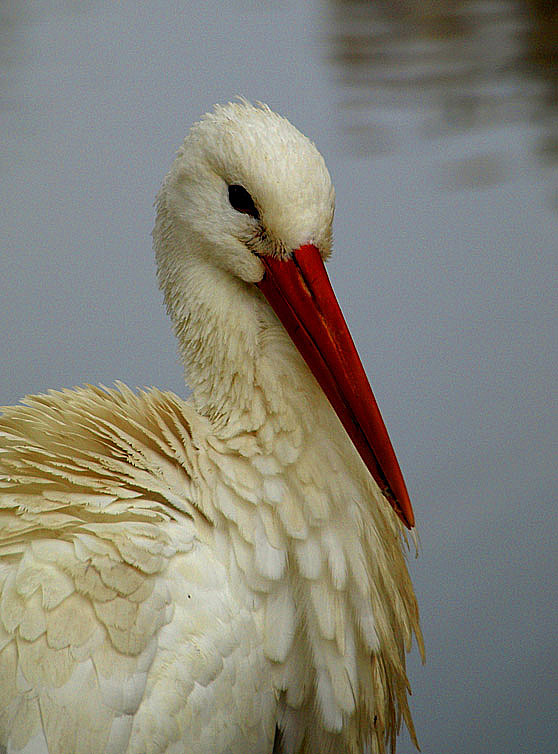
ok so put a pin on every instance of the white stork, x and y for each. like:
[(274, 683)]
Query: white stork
[(223, 575)]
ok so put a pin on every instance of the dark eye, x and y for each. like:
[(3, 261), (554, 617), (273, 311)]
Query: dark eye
[(241, 200)]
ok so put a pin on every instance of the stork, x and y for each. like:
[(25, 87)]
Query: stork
[(223, 575)]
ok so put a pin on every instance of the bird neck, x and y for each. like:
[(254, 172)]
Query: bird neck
[(240, 363), (218, 334)]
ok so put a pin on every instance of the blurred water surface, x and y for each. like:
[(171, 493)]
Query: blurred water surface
[(438, 123), (439, 70)]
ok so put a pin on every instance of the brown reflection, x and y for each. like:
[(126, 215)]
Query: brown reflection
[(442, 67)]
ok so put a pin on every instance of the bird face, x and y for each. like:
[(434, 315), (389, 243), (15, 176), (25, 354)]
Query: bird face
[(247, 184)]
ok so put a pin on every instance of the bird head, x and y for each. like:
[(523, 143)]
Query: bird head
[(247, 184)]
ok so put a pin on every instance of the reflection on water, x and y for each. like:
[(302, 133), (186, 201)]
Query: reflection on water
[(442, 67), (409, 69)]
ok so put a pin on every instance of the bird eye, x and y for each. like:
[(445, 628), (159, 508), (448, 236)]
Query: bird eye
[(241, 201)]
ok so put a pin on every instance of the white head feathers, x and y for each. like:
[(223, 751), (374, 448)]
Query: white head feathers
[(239, 144)]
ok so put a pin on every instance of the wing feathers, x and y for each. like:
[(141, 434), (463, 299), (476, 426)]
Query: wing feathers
[(82, 598)]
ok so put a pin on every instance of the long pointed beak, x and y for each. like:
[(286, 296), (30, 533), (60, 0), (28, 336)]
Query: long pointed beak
[(301, 295)]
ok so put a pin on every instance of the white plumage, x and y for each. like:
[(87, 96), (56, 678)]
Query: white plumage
[(212, 575)]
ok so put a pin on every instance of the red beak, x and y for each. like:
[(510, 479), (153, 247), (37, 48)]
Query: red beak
[(301, 295)]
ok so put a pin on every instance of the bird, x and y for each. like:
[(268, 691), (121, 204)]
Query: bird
[(223, 574)]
